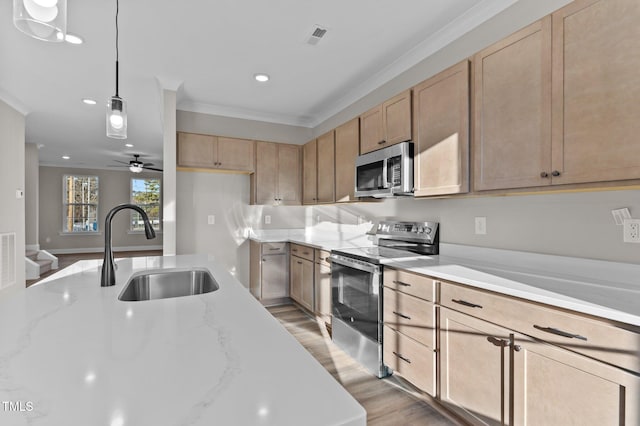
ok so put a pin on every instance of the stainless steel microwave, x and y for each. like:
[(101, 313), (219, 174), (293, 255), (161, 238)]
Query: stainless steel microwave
[(386, 172)]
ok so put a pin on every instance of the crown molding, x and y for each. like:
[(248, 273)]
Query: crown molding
[(246, 114), (14, 103)]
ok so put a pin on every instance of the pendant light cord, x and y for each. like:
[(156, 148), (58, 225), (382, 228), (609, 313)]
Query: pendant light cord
[(117, 51)]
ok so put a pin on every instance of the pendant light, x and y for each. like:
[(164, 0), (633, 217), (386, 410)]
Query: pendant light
[(41, 19), (116, 106)]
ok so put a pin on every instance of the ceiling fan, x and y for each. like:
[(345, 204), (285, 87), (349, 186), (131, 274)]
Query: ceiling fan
[(137, 166)]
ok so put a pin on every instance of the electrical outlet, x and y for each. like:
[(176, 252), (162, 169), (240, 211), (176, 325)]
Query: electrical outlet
[(481, 225), (211, 219), (267, 219), (631, 231)]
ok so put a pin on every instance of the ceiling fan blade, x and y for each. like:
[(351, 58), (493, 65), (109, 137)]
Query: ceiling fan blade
[(121, 162), (152, 168), (114, 165), (147, 164)]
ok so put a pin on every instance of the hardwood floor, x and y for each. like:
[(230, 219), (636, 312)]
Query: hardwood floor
[(65, 260), (389, 401)]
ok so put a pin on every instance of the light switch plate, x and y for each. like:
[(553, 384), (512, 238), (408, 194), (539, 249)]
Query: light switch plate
[(481, 225), (211, 219), (267, 219), (619, 215)]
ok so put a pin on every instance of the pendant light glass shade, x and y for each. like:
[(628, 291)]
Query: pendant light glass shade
[(117, 118), (41, 19)]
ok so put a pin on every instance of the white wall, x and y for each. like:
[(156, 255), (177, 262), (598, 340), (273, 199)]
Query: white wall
[(31, 196), (114, 188), (12, 166)]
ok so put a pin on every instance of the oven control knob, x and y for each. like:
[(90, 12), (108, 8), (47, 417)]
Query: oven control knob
[(352, 320)]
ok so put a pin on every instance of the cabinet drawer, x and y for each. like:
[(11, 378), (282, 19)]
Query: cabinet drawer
[(273, 248), (412, 360), (322, 257), (410, 316), (410, 283), (599, 339), (305, 252)]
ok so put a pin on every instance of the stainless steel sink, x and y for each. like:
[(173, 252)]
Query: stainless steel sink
[(168, 283)]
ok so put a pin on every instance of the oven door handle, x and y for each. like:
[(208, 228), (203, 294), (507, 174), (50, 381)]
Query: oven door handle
[(372, 269)]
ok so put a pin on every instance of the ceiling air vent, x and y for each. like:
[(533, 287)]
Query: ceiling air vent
[(316, 35)]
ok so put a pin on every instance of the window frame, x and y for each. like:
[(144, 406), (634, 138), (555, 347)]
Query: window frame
[(66, 204), (133, 213)]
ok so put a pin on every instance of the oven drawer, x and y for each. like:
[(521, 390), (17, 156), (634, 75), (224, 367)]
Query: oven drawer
[(305, 252), (407, 282), (410, 316), (412, 360), (596, 338)]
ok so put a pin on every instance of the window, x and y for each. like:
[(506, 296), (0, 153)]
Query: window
[(146, 194), (80, 204)]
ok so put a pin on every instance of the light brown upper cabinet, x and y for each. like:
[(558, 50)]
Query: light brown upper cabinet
[(347, 139), (326, 168), (386, 124), (215, 152), (309, 173), (318, 170), (596, 87), (277, 176), (441, 133), (512, 110)]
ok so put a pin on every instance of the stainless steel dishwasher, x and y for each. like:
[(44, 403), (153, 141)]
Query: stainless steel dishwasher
[(274, 273)]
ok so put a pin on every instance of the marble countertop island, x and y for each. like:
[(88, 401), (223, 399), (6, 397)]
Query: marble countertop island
[(73, 354)]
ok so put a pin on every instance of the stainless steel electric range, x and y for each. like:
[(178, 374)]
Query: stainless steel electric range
[(356, 286)]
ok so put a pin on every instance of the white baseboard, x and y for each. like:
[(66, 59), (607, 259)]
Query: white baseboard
[(101, 249)]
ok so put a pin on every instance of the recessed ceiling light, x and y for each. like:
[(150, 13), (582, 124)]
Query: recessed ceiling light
[(261, 77), (73, 39), (89, 101), (128, 145), (66, 157)]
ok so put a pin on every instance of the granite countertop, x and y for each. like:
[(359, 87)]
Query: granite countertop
[(73, 354), (610, 290)]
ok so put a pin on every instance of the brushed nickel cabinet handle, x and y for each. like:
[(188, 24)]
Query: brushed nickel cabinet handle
[(544, 175), (274, 248), (558, 332), (405, 359), (555, 173), (298, 262), (465, 303), (401, 283), (382, 142), (402, 315), (498, 342), (305, 252)]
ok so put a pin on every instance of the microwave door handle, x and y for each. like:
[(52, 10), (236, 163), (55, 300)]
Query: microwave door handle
[(385, 176)]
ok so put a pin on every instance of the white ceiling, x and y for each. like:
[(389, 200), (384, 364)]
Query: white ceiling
[(214, 48)]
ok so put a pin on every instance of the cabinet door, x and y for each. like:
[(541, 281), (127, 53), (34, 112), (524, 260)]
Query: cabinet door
[(512, 118), (396, 119), (596, 58), (254, 269), (309, 173), (371, 130), (474, 368), (307, 285), (275, 283), (441, 133), (323, 291), (326, 168), (553, 386), (266, 175), (235, 154), (296, 271), (288, 174), (347, 138), (196, 150)]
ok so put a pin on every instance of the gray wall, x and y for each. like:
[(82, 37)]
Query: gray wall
[(31, 196), (114, 189), (12, 209)]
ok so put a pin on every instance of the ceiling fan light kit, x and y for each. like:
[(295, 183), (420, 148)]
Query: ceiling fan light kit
[(41, 19), (116, 106)]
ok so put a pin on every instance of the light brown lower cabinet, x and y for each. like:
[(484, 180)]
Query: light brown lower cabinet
[(491, 375), (302, 281), (323, 285)]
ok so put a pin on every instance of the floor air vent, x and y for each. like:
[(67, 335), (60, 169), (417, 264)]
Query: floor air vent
[(7, 260)]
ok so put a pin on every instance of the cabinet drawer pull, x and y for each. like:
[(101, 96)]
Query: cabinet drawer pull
[(465, 303), (294, 250), (544, 175), (401, 283), (305, 252), (555, 173), (382, 142), (405, 359), (298, 262), (274, 248), (560, 332), (498, 342), (402, 315)]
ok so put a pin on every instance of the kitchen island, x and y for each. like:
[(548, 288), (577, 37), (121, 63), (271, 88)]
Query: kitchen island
[(73, 354)]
